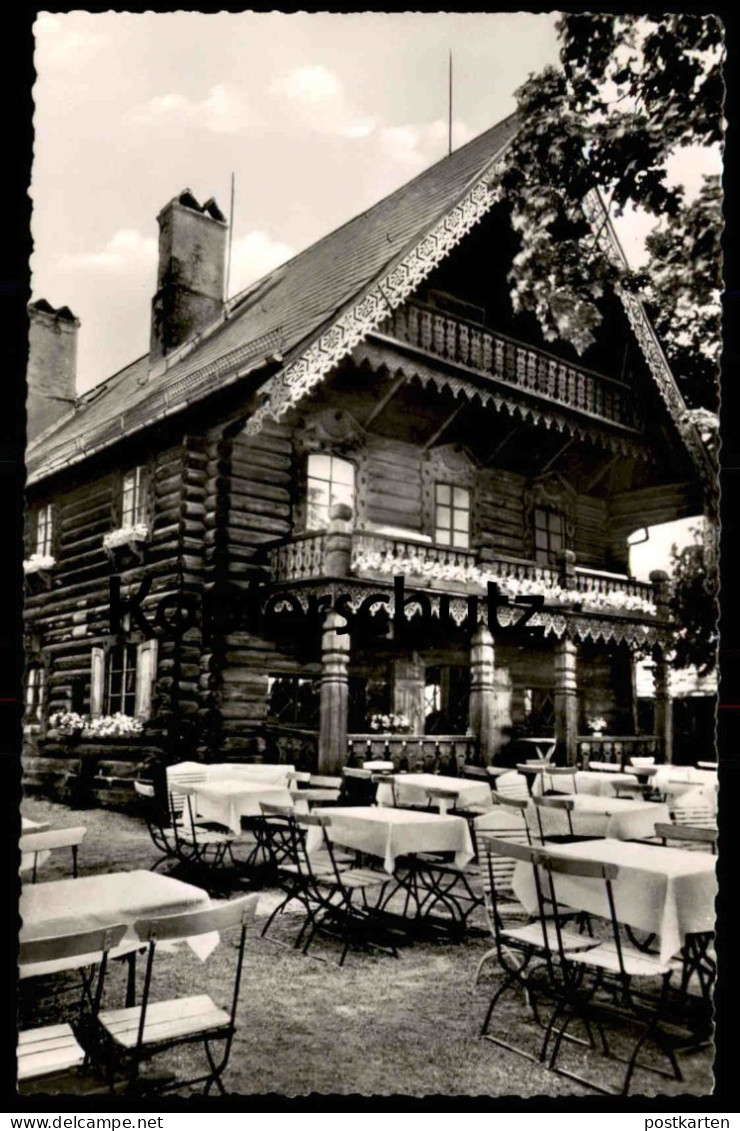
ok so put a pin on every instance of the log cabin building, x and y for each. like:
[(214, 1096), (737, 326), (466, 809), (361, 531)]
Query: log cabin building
[(371, 409)]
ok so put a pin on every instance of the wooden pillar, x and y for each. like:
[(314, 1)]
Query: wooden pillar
[(407, 691), (483, 720), (334, 692), (663, 704), (338, 541), (566, 698)]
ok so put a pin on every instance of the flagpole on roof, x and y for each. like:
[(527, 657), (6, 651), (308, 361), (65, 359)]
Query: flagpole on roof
[(231, 234)]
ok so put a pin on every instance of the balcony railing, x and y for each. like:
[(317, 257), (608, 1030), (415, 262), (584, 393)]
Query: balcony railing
[(380, 557), (532, 370), (430, 752)]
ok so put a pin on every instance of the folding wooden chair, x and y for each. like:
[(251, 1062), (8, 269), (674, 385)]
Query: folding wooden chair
[(518, 947), (359, 787), (509, 783), (561, 804), (137, 1033), (48, 1055), (331, 894), (688, 836), (610, 995), (551, 772), (36, 843)]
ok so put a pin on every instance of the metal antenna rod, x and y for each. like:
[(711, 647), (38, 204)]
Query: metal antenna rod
[(231, 236), (449, 130)]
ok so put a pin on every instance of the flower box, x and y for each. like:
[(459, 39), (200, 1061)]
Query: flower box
[(127, 539)]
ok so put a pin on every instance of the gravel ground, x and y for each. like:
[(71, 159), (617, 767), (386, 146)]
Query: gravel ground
[(377, 1026)]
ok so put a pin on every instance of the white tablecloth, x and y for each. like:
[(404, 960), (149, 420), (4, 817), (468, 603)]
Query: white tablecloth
[(227, 801), (262, 772), (68, 906), (616, 817), (594, 783), (667, 891), (410, 789), (687, 787), (391, 833)]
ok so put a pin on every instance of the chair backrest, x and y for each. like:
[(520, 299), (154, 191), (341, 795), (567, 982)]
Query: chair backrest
[(180, 780), (502, 857), (322, 781), (477, 773), (555, 865), (187, 924), (518, 803), (511, 784), (358, 787), (236, 913), (144, 789), (691, 834), (51, 840), (96, 941), (565, 803)]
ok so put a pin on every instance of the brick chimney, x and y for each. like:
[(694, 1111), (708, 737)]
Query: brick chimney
[(52, 365), (190, 275)]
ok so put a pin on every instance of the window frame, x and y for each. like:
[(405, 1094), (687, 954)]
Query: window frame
[(548, 555), (313, 527), (37, 720), (140, 497), (454, 508)]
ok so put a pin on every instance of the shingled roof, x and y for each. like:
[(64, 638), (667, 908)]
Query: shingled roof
[(288, 330), (275, 318)]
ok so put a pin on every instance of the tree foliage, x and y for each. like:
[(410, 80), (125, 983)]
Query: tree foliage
[(631, 92), (694, 604)]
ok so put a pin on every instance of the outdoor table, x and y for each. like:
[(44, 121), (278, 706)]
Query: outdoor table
[(379, 765), (390, 834), (544, 748), (264, 772), (665, 891), (411, 789), (29, 826), (226, 801), (596, 783), (693, 786), (62, 907), (400, 838), (618, 818)]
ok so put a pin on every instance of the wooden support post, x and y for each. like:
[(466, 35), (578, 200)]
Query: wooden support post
[(334, 693), (566, 699), (407, 691), (338, 541), (483, 714), (663, 704)]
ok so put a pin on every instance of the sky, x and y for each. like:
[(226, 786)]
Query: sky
[(318, 116)]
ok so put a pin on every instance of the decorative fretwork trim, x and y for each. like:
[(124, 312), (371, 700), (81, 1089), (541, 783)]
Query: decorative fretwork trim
[(382, 296), (376, 358), (598, 217), (552, 622)]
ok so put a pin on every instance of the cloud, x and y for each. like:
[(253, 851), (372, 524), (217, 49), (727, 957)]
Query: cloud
[(253, 256), (317, 98), (58, 43), (224, 110), (127, 251)]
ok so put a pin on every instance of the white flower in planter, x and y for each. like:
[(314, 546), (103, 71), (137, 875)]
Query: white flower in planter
[(38, 562), (125, 535)]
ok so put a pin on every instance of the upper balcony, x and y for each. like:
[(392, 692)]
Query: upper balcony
[(380, 557), (470, 346)]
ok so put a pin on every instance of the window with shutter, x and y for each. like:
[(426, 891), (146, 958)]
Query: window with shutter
[(97, 681), (146, 674)]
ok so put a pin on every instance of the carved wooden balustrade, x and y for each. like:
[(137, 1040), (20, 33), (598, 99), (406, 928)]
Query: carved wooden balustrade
[(534, 371), (446, 753), (380, 557), (618, 749)]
